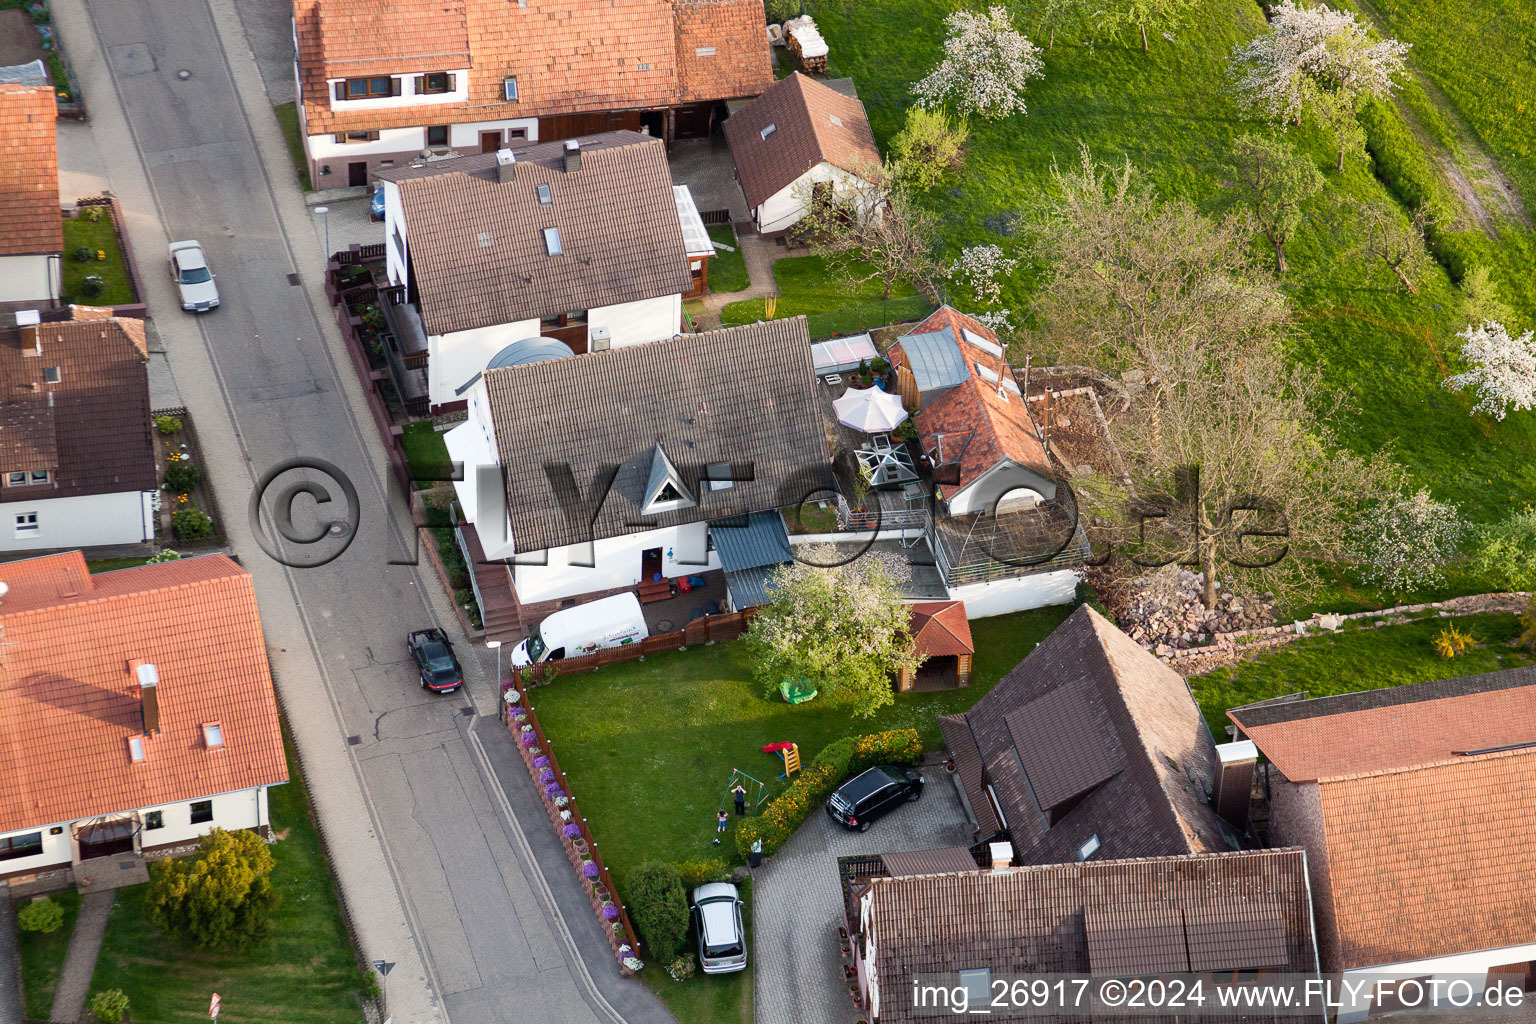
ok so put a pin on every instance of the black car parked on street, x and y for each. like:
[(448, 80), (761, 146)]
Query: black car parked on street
[(440, 671), (864, 798)]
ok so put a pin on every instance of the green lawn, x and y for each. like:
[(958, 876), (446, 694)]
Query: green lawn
[(425, 453), (305, 973), (42, 954), (111, 564), (831, 305), (288, 121), (649, 746), (1358, 658), (97, 236), (728, 270), (706, 999)]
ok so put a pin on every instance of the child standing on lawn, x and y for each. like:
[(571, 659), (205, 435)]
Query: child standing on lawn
[(720, 821)]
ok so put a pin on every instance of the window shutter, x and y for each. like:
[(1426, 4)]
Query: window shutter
[(451, 79), (421, 84), (394, 86), (341, 89)]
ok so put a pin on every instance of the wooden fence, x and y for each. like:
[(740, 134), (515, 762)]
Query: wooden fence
[(704, 630)]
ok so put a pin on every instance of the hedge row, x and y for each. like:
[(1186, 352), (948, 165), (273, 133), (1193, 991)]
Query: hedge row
[(817, 781)]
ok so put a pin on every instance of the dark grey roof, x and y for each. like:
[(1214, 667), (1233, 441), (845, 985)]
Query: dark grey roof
[(1225, 912), (1088, 677), (751, 542), (749, 587), (935, 359), (577, 437), (1392, 696), (929, 862)]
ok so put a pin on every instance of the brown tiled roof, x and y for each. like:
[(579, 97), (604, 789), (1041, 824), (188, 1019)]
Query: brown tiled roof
[(69, 701), (803, 112), (29, 188), (972, 773), (477, 245), (92, 428), (1398, 727), (362, 37), (929, 862), (1144, 800), (569, 56), (1221, 912), (742, 395), (940, 628)]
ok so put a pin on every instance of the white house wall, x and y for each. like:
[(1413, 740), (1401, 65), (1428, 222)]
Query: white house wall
[(466, 137), (617, 563), (1018, 594), (87, 520), (246, 808), (635, 323), (780, 210), (396, 254), (454, 359), (1466, 967), (32, 278), (390, 140), (1006, 480)]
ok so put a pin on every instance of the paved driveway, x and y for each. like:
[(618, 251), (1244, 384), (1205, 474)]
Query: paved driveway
[(797, 902)]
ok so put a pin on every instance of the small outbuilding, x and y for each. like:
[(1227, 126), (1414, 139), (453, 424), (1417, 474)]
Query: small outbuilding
[(942, 635), (797, 138)]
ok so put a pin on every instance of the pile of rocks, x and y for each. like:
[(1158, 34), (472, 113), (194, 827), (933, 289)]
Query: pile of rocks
[(1164, 609)]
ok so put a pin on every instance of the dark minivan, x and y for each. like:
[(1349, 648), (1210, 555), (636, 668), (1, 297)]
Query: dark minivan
[(863, 798)]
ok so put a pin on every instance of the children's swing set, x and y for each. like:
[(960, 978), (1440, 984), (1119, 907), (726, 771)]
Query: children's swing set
[(754, 787)]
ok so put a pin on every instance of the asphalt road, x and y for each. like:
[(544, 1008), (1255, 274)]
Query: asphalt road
[(437, 875)]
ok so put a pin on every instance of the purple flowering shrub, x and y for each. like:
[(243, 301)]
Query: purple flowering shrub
[(589, 870), (610, 913), (542, 761), (553, 790), (572, 831)]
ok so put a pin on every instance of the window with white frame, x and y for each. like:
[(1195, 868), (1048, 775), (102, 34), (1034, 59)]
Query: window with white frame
[(26, 524), (26, 477), (509, 89)]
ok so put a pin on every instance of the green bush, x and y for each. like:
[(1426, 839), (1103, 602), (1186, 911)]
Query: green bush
[(219, 899), (163, 555), (659, 907), (43, 915), (181, 477), (818, 780), (167, 425), (92, 285), (191, 523), (695, 873), (85, 254), (110, 1006)]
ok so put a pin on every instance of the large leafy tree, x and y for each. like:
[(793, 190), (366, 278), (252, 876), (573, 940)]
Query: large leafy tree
[(870, 227), (1143, 14), (1274, 182), (987, 65), (659, 906), (221, 897), (844, 628), (1403, 541), (1501, 368)]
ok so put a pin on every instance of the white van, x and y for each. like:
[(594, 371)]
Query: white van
[(612, 622)]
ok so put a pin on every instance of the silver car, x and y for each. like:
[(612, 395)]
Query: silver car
[(189, 269), (722, 940)]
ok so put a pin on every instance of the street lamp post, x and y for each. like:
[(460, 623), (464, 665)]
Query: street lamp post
[(324, 213)]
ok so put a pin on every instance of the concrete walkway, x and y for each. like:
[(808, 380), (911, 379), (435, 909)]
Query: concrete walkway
[(759, 255), (80, 962), (11, 1009)]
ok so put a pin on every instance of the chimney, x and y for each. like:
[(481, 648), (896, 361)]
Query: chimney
[(572, 155), (31, 338), (506, 160), (1002, 855), (1234, 780), (148, 678)]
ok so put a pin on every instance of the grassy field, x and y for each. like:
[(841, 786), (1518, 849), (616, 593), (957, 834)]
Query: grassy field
[(288, 121), (1170, 112), (42, 954), (305, 973), (728, 270), (1359, 658), (707, 999), (831, 305), (98, 236), (425, 453), (649, 746)]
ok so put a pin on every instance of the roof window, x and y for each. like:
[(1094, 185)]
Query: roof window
[(1089, 848), (836, 120), (552, 241), (977, 983), (509, 89), (768, 131), (136, 749), (486, 239), (703, 51), (213, 735), (52, 374), (544, 197)]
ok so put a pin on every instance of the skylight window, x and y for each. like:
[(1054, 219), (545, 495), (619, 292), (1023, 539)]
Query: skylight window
[(768, 131), (52, 374), (836, 120), (1089, 848), (544, 197), (509, 89), (986, 346), (135, 749), (987, 373), (978, 985), (703, 51), (213, 735), (720, 476), (552, 241), (486, 239)]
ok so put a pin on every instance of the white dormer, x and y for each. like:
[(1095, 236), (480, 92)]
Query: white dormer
[(664, 489)]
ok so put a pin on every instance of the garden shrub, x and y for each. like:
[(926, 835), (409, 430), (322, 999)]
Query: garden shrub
[(818, 780), (167, 425), (181, 477), (191, 523), (659, 907), (695, 873), (110, 1006), (92, 285), (84, 254), (45, 915), (220, 899)]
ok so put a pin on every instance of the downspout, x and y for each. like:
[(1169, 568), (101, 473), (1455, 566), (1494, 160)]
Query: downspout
[(1306, 877)]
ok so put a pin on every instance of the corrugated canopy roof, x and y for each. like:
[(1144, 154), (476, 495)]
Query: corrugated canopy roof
[(751, 542)]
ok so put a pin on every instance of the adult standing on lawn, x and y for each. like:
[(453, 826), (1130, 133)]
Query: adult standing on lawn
[(740, 793)]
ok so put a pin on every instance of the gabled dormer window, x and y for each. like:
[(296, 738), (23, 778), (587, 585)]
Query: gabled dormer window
[(664, 488)]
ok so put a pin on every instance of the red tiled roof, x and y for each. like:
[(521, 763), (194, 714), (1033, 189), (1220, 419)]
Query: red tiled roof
[(812, 123), (569, 56), (29, 188), (69, 702), (362, 37), (940, 628)]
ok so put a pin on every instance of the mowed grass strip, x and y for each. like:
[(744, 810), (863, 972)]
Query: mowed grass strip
[(42, 954)]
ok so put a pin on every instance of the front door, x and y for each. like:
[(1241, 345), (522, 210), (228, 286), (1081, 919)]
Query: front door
[(490, 142), (106, 838), (357, 173)]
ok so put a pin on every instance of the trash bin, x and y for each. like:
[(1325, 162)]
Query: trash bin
[(755, 858)]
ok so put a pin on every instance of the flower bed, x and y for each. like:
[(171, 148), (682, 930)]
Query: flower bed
[(565, 816)]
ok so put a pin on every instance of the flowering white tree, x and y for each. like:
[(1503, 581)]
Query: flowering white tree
[(1503, 368), (979, 268), (986, 67), (1310, 51), (1402, 542)]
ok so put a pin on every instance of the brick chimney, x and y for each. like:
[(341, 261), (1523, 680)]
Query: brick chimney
[(31, 336), (506, 164), (147, 678), (572, 155), (1234, 780)]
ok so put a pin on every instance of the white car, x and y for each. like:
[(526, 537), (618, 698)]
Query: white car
[(189, 269), (722, 940)]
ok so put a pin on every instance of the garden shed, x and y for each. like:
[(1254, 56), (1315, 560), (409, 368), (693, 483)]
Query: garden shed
[(942, 635)]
